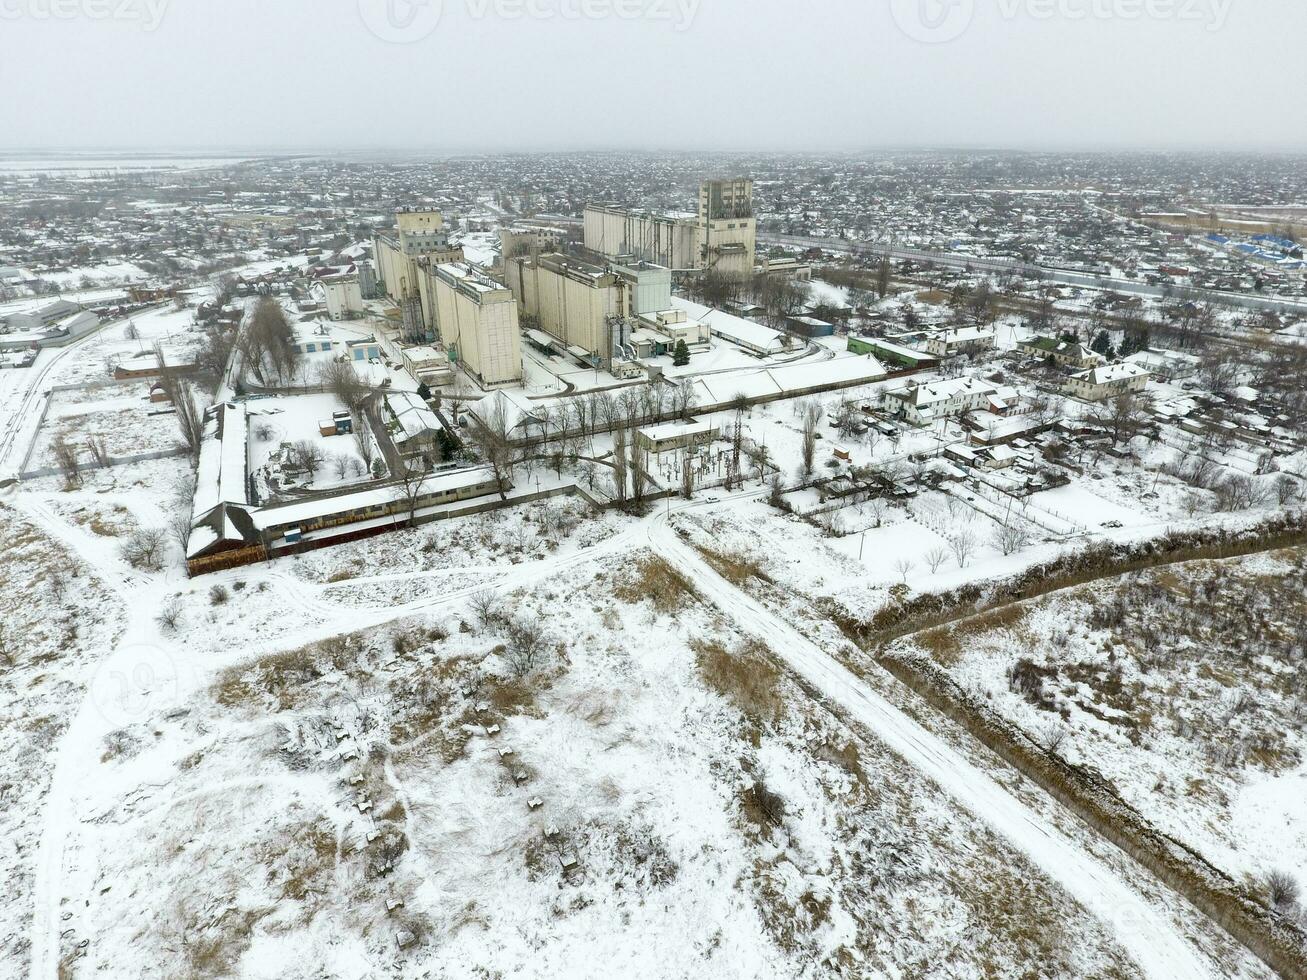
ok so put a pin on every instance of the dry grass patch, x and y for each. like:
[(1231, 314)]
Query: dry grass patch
[(279, 676), (655, 580), (737, 568), (747, 677)]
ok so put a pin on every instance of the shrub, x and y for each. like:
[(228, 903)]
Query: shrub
[(144, 549), (170, 613), (1283, 890)]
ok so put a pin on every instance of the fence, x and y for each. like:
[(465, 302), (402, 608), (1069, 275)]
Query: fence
[(109, 461)]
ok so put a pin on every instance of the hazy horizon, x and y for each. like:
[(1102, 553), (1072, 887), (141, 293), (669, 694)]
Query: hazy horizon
[(491, 76)]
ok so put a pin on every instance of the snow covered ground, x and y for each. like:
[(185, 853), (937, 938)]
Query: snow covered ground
[(314, 743), (1183, 686), (299, 768)]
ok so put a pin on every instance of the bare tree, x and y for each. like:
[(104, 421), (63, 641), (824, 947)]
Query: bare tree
[(904, 567), (485, 605), (811, 419), (412, 482), (275, 338), (179, 528), (491, 438), (170, 613), (1283, 890), (637, 471), (526, 644), (1123, 417), (964, 546), (619, 465), (935, 559), (186, 404), (144, 549), (340, 378), (363, 439), (308, 456), (95, 445), (1010, 539), (68, 459)]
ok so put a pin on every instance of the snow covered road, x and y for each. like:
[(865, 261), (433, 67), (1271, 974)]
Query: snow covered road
[(1150, 937)]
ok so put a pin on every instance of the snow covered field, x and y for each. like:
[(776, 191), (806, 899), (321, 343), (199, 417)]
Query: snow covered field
[(303, 776)]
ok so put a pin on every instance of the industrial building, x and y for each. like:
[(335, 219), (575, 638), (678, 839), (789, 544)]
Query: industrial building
[(728, 227), (576, 303), (418, 242), (517, 243), (895, 355), (477, 320), (601, 314), (343, 295), (676, 436), (427, 365), (722, 237)]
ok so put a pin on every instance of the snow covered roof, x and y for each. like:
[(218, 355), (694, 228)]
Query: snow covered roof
[(514, 409), (291, 514), (1111, 373), (942, 391), (733, 328), (416, 420)]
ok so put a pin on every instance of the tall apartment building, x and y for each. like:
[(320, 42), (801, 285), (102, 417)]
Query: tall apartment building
[(721, 237), (477, 321)]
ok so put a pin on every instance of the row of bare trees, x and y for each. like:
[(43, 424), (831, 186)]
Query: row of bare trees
[(267, 343)]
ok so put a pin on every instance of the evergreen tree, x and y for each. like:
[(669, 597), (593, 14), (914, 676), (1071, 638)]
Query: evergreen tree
[(681, 355)]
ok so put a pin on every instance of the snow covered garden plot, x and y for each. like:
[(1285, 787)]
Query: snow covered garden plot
[(123, 426), (1184, 686)]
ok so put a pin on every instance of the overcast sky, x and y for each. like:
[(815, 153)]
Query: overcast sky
[(692, 74)]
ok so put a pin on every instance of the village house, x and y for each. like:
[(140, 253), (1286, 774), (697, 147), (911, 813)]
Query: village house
[(1101, 383), (1077, 357), (927, 403), (960, 341)]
